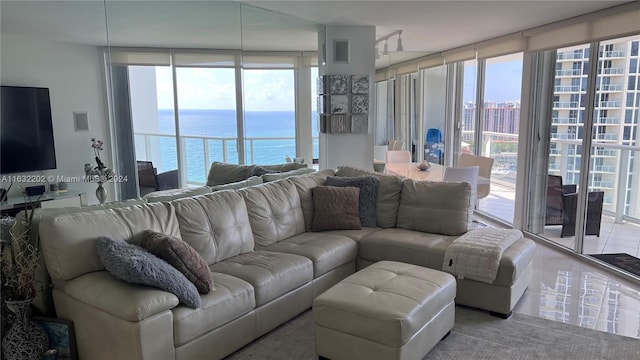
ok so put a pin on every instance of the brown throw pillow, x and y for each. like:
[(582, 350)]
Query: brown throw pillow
[(181, 256), (335, 208)]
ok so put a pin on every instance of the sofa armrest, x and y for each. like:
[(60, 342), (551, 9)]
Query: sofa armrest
[(127, 301)]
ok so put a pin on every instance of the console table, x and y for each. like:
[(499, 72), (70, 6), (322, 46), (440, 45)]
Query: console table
[(69, 198)]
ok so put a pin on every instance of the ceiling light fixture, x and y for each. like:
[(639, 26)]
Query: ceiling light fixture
[(385, 38)]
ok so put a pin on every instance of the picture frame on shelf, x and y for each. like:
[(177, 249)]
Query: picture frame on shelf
[(62, 336)]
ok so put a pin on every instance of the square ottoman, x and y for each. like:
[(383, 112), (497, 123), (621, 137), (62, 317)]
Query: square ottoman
[(389, 310)]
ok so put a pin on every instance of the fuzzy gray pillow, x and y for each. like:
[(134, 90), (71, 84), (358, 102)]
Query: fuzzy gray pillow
[(133, 264), (180, 255), (368, 186)]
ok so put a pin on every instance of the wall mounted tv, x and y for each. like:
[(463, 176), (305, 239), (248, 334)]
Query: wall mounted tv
[(26, 130)]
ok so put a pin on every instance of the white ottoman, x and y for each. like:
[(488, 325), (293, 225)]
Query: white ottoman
[(389, 310)]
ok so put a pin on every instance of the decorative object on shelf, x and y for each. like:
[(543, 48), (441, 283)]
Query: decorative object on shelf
[(360, 84), (424, 165), (338, 84), (343, 104), (19, 262), (101, 173), (359, 124)]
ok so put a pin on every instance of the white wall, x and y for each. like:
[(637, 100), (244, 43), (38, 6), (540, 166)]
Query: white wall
[(349, 149), (74, 76)]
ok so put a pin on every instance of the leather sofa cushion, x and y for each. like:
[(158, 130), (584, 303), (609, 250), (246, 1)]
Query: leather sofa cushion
[(304, 184), (174, 194), (283, 175), (231, 299), (68, 241), (326, 251), (274, 211), (126, 301), (216, 225), (335, 208), (388, 194), (387, 302), (223, 173), (355, 235), (271, 274), (423, 249), (435, 207), (251, 181)]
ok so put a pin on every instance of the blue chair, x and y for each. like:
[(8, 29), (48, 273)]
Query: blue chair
[(434, 136)]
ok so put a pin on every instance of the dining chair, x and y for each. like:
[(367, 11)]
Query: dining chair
[(398, 156), (485, 164), (396, 145), (464, 174)]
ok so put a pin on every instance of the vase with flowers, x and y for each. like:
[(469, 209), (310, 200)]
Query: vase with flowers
[(100, 173), (19, 259)]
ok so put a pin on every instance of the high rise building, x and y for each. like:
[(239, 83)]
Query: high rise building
[(615, 120)]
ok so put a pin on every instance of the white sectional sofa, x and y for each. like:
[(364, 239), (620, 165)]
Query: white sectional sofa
[(267, 266)]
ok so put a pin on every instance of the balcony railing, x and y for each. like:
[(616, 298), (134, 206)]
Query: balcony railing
[(606, 120), (609, 104), (606, 137), (569, 56), (611, 71), (567, 88), (199, 152), (610, 87), (565, 120), (612, 54), (618, 162), (565, 104), (569, 72)]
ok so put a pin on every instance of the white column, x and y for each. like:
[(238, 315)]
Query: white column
[(348, 149)]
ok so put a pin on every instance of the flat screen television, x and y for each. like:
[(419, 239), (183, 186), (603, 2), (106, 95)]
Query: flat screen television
[(26, 130)]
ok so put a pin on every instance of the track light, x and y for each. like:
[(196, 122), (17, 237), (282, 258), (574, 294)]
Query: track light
[(385, 38)]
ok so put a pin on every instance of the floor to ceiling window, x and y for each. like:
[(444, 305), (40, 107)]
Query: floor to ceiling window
[(269, 116), (202, 94), (491, 129), (610, 177), (207, 117)]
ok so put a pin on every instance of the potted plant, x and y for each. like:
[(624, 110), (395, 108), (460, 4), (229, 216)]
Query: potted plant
[(19, 261)]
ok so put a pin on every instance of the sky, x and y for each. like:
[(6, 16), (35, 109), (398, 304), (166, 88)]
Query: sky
[(214, 88), (503, 81), (273, 90)]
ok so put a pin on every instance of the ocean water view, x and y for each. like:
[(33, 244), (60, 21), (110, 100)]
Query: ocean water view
[(269, 137)]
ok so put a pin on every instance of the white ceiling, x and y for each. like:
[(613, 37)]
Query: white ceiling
[(428, 26)]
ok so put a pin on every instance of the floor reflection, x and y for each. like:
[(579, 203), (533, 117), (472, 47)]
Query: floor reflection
[(568, 289)]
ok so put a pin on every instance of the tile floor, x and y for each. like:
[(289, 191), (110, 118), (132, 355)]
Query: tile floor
[(569, 289)]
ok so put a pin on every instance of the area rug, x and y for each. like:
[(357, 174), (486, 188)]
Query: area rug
[(625, 262), (475, 335)]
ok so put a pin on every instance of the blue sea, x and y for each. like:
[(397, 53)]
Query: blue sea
[(221, 124)]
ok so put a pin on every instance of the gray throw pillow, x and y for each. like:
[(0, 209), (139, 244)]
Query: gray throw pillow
[(368, 186), (181, 256), (335, 208), (133, 264)]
